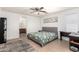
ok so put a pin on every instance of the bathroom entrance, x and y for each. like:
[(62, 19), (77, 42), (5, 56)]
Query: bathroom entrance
[(23, 27)]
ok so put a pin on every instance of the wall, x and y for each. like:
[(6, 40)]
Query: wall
[(23, 22), (12, 24), (55, 24), (33, 24), (70, 22), (65, 17), (0, 11)]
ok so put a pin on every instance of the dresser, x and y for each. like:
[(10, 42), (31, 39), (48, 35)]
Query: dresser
[(74, 42), (65, 34)]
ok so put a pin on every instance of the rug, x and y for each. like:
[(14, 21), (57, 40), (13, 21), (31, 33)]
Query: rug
[(17, 46)]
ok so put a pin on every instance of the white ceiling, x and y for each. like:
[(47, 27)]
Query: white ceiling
[(26, 10)]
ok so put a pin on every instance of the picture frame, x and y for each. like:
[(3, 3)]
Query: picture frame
[(51, 20)]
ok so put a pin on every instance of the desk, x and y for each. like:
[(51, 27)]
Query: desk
[(66, 34)]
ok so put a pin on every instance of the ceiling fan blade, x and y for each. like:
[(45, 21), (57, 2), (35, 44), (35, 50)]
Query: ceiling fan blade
[(41, 7), (32, 8), (44, 12)]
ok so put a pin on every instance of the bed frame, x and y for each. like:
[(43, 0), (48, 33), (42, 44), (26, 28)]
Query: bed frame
[(48, 29)]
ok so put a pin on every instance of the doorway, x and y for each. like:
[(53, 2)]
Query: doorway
[(22, 27)]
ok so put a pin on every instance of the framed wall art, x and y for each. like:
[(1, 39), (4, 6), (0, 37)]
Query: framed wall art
[(51, 20)]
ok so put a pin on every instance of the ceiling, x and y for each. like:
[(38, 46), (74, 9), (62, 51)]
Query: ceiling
[(27, 11)]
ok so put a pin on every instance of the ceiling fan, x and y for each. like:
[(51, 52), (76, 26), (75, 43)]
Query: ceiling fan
[(38, 10)]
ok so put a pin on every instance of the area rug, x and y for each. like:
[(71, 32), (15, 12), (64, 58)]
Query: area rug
[(17, 46)]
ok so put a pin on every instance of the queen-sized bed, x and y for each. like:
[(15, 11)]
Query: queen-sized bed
[(47, 34)]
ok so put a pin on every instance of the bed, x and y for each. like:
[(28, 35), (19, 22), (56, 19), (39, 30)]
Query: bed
[(47, 34)]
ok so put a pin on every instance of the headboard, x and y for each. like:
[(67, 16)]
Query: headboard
[(50, 29)]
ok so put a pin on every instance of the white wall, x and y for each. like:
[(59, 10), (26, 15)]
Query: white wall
[(64, 17), (0, 11), (23, 22), (12, 24), (55, 24), (33, 24), (70, 22)]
